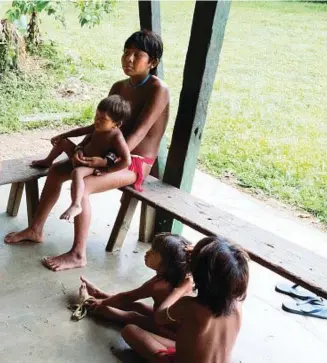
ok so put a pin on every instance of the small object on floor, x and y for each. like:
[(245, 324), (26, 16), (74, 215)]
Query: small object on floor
[(293, 291), (315, 307), (80, 309)]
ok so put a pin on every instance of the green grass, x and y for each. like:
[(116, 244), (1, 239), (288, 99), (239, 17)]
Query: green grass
[(267, 116)]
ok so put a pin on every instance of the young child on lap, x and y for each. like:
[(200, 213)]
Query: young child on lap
[(168, 257), (208, 324), (103, 136)]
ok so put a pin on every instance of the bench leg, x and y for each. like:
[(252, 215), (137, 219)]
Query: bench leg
[(15, 197), (122, 223), (32, 199), (147, 223)]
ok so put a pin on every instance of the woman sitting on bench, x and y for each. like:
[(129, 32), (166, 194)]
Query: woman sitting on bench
[(149, 99)]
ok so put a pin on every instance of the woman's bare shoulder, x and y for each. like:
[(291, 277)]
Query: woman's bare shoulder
[(158, 83), (117, 86)]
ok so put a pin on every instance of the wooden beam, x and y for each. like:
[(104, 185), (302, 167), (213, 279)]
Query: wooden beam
[(32, 199), (279, 255), (149, 13), (123, 221), (15, 197), (207, 35)]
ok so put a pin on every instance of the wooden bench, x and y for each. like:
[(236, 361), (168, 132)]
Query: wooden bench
[(287, 259), (277, 254), (18, 173)]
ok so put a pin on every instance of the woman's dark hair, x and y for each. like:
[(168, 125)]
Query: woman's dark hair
[(149, 42), (174, 256), (220, 272), (116, 108)]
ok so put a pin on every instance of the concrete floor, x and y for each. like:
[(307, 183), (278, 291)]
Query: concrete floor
[(35, 323)]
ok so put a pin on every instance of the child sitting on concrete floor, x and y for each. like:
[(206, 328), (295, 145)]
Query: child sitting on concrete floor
[(209, 323), (168, 257), (103, 136)]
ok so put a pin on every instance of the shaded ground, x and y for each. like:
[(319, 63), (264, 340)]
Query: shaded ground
[(35, 322)]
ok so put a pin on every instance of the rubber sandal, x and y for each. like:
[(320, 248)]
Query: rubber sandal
[(292, 290), (79, 310), (313, 307)]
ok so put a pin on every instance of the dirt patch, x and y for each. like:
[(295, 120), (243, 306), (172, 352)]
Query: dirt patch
[(74, 89), (28, 143)]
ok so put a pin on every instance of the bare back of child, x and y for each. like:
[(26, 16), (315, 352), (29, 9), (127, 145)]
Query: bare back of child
[(168, 257), (209, 323)]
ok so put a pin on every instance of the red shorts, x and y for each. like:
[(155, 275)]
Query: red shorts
[(136, 166), (169, 353)]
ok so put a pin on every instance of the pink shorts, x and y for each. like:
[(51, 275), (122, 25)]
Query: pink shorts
[(136, 166), (169, 353)]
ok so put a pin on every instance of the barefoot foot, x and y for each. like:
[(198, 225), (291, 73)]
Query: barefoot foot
[(65, 261), (28, 234), (83, 294), (71, 212), (93, 290), (43, 163)]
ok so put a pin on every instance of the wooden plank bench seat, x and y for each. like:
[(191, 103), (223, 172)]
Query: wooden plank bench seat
[(18, 173), (287, 259), (277, 254)]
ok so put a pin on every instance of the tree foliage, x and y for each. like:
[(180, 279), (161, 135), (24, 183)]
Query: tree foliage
[(90, 12)]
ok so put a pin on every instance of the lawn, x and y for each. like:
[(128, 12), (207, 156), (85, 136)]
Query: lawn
[(267, 116)]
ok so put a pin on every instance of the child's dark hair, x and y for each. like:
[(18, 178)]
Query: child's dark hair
[(220, 272), (174, 256), (118, 109), (149, 42)]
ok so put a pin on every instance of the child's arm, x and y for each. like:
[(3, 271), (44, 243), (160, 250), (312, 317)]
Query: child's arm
[(124, 157), (170, 314), (80, 131), (125, 298), (120, 145), (184, 288)]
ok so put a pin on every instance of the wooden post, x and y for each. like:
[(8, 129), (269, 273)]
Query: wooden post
[(149, 13), (15, 197), (207, 34), (123, 221), (32, 199)]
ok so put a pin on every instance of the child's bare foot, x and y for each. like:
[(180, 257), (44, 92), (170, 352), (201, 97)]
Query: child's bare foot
[(43, 163), (83, 294), (28, 234), (73, 211), (65, 261), (93, 290)]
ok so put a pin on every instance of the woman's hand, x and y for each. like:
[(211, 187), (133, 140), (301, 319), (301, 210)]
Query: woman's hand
[(94, 162), (77, 158)]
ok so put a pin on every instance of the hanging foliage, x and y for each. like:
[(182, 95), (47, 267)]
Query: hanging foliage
[(90, 12)]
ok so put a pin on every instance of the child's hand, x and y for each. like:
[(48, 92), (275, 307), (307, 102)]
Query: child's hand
[(93, 304), (77, 158), (56, 139)]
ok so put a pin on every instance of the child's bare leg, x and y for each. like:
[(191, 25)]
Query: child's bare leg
[(61, 146), (125, 317), (147, 344), (77, 192)]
